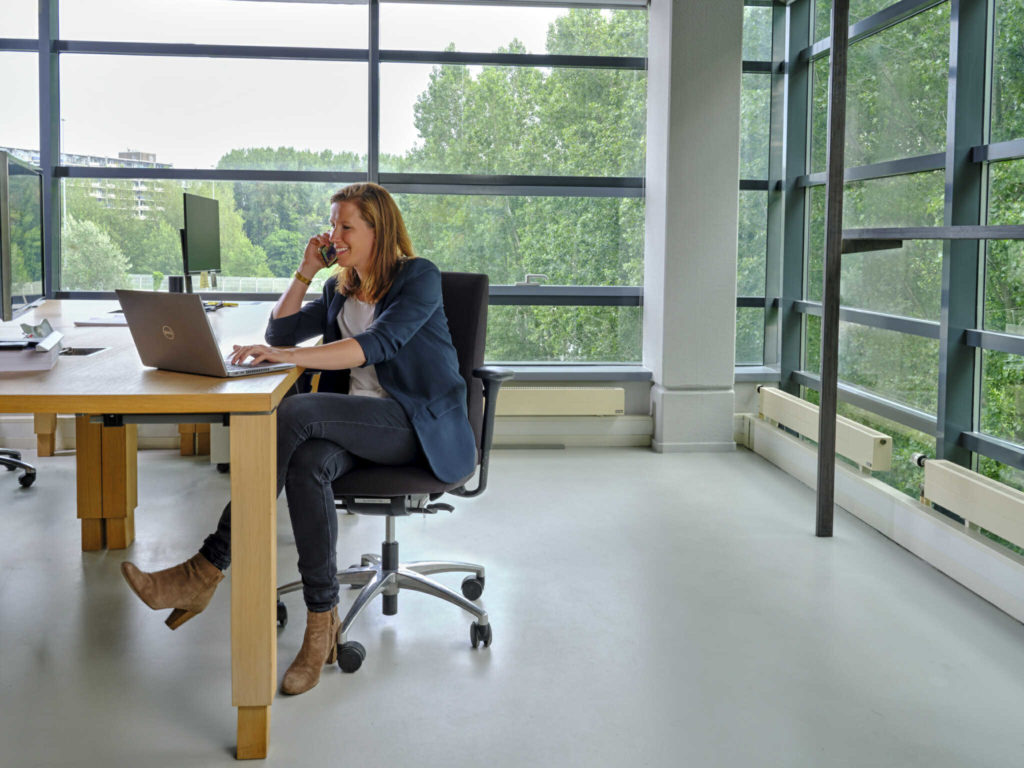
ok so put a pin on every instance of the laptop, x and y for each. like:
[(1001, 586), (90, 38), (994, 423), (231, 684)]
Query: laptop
[(172, 331)]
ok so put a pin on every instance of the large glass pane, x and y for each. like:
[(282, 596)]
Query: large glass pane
[(217, 113), (574, 241), (1004, 278), (755, 113), (749, 336), (859, 10), (125, 233), (894, 365), (564, 334), (1007, 71), (753, 238), (1002, 395), (896, 93), (19, 117), (512, 120), (579, 32), (26, 234), (907, 281), (226, 22), (757, 33), (265, 226), (20, 18)]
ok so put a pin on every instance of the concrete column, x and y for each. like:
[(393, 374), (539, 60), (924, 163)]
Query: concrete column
[(693, 134)]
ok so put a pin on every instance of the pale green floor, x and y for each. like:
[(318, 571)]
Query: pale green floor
[(648, 610)]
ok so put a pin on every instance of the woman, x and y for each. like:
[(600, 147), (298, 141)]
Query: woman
[(390, 393)]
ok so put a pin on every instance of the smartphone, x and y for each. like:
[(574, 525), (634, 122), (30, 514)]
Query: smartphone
[(329, 254)]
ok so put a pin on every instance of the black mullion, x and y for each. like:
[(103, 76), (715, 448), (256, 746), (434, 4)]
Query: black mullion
[(775, 202), (789, 288), (373, 138), (885, 169), (958, 367), (49, 141)]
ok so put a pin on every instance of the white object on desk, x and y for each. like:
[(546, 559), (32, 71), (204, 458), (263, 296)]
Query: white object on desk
[(114, 318), (28, 360)]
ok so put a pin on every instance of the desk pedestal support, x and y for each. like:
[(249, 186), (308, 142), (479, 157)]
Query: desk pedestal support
[(253, 578), (107, 470)]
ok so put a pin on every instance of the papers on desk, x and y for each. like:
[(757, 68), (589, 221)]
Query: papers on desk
[(110, 319)]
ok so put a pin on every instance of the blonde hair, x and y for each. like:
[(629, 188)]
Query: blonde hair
[(391, 244)]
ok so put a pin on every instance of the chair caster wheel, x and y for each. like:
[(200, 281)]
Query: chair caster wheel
[(27, 479), (282, 615), (480, 634), (224, 468), (473, 587), (350, 656)]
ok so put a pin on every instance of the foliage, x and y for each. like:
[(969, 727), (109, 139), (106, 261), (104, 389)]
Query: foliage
[(488, 120), (91, 260), (25, 233)]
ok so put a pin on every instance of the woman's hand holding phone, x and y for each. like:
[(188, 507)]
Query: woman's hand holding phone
[(312, 259)]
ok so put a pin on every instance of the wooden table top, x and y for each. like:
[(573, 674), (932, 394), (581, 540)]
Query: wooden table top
[(115, 381)]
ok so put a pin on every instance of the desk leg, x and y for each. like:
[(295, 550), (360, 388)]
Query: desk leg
[(120, 484), (253, 578), (89, 479), (46, 433), (107, 477)]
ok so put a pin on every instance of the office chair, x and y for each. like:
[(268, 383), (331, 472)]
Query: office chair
[(12, 461), (399, 491)]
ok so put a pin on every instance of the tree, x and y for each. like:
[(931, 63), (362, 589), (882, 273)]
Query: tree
[(91, 260)]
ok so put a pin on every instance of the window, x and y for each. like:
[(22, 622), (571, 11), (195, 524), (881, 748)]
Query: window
[(894, 302), (513, 138)]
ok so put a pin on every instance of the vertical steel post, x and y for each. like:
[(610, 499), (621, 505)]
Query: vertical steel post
[(373, 137), (833, 263), (49, 140), (795, 145), (965, 196), (776, 197)]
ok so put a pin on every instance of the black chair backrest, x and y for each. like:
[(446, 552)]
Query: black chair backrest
[(465, 305)]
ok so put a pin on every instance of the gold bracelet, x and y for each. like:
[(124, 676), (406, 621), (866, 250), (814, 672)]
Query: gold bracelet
[(302, 278)]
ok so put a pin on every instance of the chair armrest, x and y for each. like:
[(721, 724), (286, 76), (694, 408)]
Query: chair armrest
[(492, 377)]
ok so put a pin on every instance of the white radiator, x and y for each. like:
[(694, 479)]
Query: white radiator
[(561, 401), (979, 500), (870, 449)]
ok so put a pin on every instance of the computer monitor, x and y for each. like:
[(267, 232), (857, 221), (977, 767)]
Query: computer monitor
[(200, 239), (21, 236)]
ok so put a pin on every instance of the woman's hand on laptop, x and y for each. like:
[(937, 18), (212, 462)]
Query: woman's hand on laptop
[(261, 353)]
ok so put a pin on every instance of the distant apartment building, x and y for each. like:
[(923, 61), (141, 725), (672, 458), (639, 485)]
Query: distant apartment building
[(140, 202)]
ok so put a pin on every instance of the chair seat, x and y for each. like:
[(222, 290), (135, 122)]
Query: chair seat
[(402, 480)]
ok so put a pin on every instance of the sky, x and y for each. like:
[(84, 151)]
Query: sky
[(190, 111)]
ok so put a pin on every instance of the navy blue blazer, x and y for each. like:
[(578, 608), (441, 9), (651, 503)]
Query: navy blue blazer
[(411, 347)]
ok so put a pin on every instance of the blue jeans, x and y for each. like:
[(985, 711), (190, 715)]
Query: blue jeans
[(320, 437)]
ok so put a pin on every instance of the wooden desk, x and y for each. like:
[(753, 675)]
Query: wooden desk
[(113, 384)]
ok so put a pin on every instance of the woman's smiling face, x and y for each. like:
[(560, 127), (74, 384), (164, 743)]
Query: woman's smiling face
[(352, 237)]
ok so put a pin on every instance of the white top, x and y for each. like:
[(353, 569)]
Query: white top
[(355, 317)]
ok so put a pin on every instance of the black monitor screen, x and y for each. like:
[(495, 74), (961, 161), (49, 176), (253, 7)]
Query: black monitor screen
[(201, 241), (21, 235)]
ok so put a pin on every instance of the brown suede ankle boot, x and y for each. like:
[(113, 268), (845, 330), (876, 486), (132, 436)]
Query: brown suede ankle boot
[(187, 588), (319, 647)]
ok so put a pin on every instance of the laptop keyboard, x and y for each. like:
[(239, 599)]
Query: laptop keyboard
[(251, 368)]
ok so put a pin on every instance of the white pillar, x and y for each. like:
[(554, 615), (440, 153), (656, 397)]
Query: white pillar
[(693, 128)]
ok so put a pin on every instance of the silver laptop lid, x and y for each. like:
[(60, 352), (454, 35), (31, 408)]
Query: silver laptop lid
[(171, 331)]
